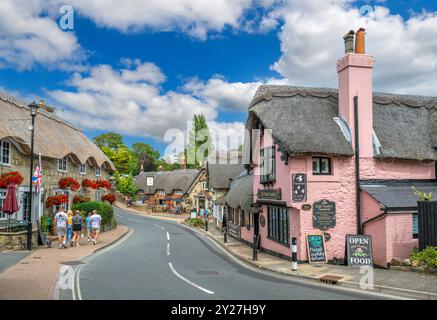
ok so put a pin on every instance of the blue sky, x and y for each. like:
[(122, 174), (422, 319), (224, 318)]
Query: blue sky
[(213, 67)]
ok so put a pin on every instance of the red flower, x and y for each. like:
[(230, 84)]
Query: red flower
[(13, 177), (56, 200), (80, 199), (109, 197), (87, 183), (69, 182), (105, 184)]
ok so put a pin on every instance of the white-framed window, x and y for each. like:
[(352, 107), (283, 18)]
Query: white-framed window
[(98, 195), (82, 169), (2, 198), (62, 164), (267, 165), (98, 172), (5, 152), (205, 185), (160, 191), (178, 192)]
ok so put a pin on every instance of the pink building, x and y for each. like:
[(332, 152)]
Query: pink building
[(303, 156)]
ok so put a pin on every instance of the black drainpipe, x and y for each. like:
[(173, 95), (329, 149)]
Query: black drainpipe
[(357, 167)]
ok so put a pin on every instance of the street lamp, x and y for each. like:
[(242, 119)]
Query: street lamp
[(33, 110)]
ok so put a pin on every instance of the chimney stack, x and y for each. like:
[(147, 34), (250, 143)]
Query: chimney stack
[(349, 42), (184, 163), (47, 108), (355, 79)]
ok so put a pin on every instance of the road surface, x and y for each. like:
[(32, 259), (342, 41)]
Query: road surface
[(164, 260)]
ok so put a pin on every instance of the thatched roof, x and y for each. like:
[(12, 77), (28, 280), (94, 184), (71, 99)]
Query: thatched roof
[(219, 174), (54, 137), (241, 193), (303, 120), (397, 194), (168, 180)]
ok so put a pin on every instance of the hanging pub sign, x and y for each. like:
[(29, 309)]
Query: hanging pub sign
[(299, 187), (324, 214), (306, 207), (316, 248), (269, 194), (149, 182), (359, 250)]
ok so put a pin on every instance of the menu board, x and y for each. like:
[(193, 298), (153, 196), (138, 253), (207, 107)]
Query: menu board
[(324, 214), (316, 248), (359, 250)]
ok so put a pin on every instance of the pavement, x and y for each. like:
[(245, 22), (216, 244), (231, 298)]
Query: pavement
[(160, 258), (34, 275), (401, 283), (11, 258)]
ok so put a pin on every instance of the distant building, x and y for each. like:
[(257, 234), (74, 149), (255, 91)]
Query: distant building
[(65, 151)]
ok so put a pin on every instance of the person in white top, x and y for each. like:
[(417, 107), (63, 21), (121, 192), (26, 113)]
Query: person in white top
[(61, 221), (96, 220)]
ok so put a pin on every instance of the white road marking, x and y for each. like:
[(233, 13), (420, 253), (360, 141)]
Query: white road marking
[(188, 281), (168, 248), (158, 226), (168, 236)]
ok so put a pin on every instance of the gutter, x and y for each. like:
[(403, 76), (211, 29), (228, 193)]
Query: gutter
[(357, 168)]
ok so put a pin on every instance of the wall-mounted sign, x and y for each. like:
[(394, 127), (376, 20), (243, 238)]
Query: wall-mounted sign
[(359, 250), (306, 207), (262, 221), (299, 187), (234, 230), (316, 248), (324, 214), (327, 236), (269, 194), (149, 182)]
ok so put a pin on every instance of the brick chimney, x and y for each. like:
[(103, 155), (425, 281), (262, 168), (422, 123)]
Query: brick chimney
[(355, 79)]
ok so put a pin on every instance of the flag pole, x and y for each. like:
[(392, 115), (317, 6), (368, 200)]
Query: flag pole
[(40, 188)]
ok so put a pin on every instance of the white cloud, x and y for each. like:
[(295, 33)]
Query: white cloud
[(311, 43), (29, 34)]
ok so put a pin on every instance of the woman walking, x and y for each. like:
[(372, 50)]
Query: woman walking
[(77, 228), (88, 226), (70, 226)]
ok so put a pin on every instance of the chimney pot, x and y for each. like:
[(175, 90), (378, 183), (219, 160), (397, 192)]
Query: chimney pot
[(349, 42), (360, 41)]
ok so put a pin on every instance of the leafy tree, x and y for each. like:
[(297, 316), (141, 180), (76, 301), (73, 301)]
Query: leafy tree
[(126, 185), (110, 140), (145, 157), (200, 144), (122, 158)]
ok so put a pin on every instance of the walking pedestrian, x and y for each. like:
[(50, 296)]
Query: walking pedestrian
[(70, 226), (201, 211), (88, 226), (77, 228), (61, 221), (95, 225)]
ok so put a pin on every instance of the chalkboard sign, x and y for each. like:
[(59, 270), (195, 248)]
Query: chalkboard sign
[(324, 214), (299, 187), (316, 248), (359, 250)]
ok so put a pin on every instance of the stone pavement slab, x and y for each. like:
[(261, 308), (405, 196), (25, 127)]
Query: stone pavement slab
[(34, 277), (10, 258)]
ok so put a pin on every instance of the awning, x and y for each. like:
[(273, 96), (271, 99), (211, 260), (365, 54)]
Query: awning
[(398, 195)]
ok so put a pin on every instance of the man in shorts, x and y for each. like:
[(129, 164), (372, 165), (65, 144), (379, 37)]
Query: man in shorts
[(96, 219), (61, 219)]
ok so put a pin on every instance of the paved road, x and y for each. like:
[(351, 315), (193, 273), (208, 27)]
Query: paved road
[(164, 260)]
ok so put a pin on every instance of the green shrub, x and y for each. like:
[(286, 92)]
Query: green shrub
[(428, 256), (104, 209), (195, 222)]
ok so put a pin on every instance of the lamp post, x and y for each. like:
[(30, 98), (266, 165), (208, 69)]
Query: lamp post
[(33, 110)]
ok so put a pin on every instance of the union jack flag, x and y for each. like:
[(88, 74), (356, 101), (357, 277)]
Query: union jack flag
[(37, 177)]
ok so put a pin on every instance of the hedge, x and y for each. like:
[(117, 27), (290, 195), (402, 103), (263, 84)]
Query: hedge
[(104, 209)]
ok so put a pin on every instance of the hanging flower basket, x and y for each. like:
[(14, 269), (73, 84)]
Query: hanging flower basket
[(56, 200), (87, 183), (105, 184), (69, 183), (13, 177), (80, 199), (109, 198)]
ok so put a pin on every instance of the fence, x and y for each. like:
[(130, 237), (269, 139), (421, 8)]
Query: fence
[(427, 216)]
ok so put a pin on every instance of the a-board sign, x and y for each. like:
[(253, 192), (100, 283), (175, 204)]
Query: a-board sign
[(316, 248), (149, 182), (359, 250), (299, 187)]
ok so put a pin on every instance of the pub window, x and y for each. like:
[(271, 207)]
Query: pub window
[(160, 191), (279, 224), (267, 165), (98, 172), (322, 166), (178, 192), (98, 195), (62, 164), (415, 226), (5, 152), (82, 169), (247, 220)]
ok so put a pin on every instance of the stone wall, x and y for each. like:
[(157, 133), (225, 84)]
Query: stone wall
[(17, 240)]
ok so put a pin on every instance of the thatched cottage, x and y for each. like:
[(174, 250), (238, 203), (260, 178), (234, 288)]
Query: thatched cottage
[(338, 162), (65, 152)]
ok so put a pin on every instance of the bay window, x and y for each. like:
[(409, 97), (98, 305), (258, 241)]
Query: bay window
[(267, 165), (279, 224)]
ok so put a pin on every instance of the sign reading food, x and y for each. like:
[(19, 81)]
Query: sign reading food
[(316, 248), (359, 250)]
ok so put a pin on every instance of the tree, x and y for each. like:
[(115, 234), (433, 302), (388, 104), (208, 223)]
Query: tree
[(146, 158), (110, 140), (200, 144), (121, 157), (126, 185)]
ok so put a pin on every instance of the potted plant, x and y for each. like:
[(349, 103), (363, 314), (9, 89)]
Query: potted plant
[(13, 177), (69, 183), (87, 183)]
